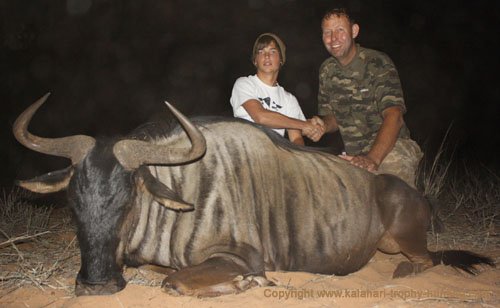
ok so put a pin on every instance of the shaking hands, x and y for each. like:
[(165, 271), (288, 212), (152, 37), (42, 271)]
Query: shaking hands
[(314, 128)]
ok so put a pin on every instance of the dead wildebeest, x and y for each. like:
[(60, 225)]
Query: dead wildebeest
[(221, 201)]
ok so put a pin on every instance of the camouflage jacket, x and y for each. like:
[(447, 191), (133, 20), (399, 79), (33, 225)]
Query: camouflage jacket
[(356, 94)]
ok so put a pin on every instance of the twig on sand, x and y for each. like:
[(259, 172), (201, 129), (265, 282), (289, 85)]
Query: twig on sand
[(19, 238)]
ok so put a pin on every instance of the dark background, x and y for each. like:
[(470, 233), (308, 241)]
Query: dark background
[(110, 64)]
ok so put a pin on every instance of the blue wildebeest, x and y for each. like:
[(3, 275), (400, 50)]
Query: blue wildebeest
[(221, 201)]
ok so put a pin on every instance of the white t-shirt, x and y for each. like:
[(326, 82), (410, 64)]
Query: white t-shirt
[(272, 98)]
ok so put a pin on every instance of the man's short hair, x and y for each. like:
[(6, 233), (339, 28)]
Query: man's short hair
[(265, 39), (339, 12)]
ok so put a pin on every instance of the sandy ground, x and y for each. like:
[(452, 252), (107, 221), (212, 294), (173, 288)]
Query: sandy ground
[(372, 286), (47, 267)]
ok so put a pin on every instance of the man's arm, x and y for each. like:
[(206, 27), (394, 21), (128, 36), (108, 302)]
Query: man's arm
[(329, 122), (388, 85), (384, 142), (274, 119)]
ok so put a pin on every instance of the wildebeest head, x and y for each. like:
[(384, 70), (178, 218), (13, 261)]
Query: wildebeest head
[(102, 182)]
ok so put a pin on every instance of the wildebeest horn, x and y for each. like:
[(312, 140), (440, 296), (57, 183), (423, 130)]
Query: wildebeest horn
[(133, 153), (72, 147)]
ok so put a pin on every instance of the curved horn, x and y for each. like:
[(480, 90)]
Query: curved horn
[(133, 153), (72, 147)]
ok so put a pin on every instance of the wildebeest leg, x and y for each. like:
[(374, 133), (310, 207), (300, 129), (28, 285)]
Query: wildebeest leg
[(406, 217), (411, 248), (415, 249), (157, 269), (216, 276)]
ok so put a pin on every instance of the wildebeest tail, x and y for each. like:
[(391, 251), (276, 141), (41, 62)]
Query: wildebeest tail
[(464, 260)]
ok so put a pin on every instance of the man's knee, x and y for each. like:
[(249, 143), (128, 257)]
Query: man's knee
[(403, 161)]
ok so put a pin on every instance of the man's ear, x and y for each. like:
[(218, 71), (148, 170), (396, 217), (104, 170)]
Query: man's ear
[(355, 30)]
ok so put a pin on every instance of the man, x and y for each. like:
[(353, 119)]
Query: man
[(360, 94), (260, 99)]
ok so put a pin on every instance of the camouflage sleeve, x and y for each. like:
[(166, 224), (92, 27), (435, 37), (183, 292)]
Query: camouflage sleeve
[(388, 89), (324, 107)]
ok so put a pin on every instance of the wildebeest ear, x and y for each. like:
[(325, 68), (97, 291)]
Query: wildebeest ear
[(161, 193), (50, 182)]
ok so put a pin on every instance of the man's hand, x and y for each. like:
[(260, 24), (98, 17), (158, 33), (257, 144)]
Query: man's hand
[(318, 121), (361, 161), (315, 129)]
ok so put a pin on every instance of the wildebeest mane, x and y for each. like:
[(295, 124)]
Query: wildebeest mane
[(165, 128)]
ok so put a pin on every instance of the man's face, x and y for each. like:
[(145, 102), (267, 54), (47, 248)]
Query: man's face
[(338, 38), (267, 59)]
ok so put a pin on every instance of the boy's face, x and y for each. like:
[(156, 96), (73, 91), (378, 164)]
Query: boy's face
[(268, 59)]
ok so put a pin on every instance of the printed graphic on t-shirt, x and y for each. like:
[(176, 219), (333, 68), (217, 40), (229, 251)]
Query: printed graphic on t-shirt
[(271, 104)]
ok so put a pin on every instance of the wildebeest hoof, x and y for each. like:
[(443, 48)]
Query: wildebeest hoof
[(169, 288), (238, 284), (406, 268), (244, 283)]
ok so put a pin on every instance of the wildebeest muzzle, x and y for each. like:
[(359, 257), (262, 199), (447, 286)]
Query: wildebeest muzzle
[(111, 286)]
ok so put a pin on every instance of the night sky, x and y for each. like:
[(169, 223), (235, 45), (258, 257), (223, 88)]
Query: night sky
[(110, 65)]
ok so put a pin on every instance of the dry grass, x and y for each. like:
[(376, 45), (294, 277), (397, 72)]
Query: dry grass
[(19, 216), (31, 251), (38, 247), (432, 178), (467, 199), (470, 208)]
